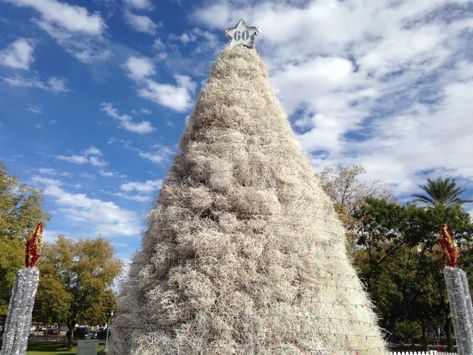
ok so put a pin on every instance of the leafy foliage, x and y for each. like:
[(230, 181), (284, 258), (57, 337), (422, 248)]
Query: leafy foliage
[(441, 192), (82, 273), (399, 259), (348, 191), (20, 209), (11, 259)]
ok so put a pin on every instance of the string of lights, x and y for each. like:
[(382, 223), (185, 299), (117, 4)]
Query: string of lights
[(331, 351), (301, 215), (355, 305), (351, 321)]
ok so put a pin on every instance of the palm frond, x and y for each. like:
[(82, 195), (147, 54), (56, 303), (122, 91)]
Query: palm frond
[(423, 198), (442, 191)]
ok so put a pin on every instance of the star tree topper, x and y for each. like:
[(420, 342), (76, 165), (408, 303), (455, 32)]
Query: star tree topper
[(242, 34)]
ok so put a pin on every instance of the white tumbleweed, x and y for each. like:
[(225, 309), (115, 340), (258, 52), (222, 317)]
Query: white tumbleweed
[(244, 253)]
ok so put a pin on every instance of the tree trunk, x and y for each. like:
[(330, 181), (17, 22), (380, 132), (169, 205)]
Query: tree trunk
[(424, 334), (70, 334), (390, 324), (448, 332)]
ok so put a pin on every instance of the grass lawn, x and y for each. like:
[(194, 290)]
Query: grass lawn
[(47, 348)]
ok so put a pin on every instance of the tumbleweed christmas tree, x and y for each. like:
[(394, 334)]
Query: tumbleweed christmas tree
[(244, 253)]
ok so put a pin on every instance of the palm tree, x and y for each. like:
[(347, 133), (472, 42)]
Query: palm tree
[(441, 192)]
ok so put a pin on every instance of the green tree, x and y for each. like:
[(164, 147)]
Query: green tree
[(444, 196), (441, 192), (98, 313), (11, 259), (83, 272), (52, 299), (20, 206), (20, 210), (400, 261)]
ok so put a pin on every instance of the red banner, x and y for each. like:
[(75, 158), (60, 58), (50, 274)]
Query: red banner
[(449, 246), (33, 245)]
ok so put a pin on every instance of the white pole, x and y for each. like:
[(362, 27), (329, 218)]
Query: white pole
[(18, 323), (461, 308), (108, 330)]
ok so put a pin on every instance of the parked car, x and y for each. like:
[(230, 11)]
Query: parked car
[(82, 333), (53, 331), (93, 334), (102, 333)]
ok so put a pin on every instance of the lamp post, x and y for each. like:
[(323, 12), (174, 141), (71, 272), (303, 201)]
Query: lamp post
[(109, 322)]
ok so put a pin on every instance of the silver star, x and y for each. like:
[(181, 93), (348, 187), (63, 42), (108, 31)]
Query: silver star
[(241, 34)]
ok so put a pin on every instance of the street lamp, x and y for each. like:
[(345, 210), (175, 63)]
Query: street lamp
[(109, 322)]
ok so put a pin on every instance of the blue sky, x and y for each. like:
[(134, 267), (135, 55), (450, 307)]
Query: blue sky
[(94, 95)]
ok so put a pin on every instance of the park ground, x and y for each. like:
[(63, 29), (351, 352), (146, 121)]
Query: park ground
[(48, 348)]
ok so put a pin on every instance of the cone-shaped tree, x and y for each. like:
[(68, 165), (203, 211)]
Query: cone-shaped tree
[(244, 253)]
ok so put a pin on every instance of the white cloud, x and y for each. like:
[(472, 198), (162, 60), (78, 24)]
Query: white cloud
[(139, 191), (55, 85), (158, 155), (74, 159), (216, 15), (133, 197), (380, 83), (295, 80), (85, 48), (93, 151), (139, 67), (126, 122), (187, 38), (90, 156), (49, 171), (96, 161), (74, 28), (158, 45), (50, 236), (34, 109), (70, 17), (147, 186), (176, 97), (18, 55), (106, 173), (52, 171), (422, 48), (140, 4), (140, 23), (205, 40), (103, 217), (422, 140)]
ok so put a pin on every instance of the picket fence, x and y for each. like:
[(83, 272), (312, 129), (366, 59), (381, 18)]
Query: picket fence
[(431, 352)]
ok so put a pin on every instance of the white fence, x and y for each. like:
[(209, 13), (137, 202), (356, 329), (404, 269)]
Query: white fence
[(431, 352)]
